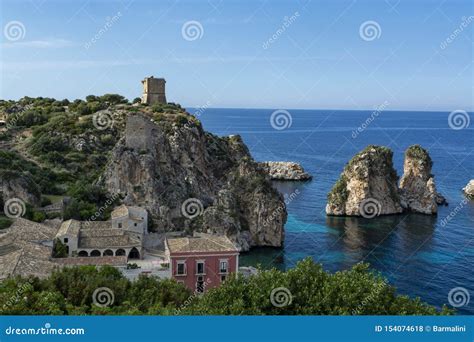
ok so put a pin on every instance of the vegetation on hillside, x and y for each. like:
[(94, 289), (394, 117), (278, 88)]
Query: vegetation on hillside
[(62, 147), (305, 290)]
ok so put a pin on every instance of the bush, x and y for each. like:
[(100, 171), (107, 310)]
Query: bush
[(5, 222)]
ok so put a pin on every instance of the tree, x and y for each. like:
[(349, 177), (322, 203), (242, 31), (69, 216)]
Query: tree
[(59, 249)]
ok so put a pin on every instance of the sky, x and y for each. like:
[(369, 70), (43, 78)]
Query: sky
[(339, 54)]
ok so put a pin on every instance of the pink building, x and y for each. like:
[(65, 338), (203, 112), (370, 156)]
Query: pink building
[(203, 261)]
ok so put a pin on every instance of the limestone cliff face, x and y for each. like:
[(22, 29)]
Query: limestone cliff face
[(367, 186), (417, 186), (20, 187), (191, 180)]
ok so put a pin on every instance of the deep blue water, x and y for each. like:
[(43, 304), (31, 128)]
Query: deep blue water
[(418, 255)]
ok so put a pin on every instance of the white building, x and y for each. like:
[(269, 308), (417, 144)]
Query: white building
[(121, 236)]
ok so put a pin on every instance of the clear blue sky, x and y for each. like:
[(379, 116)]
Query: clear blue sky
[(319, 61)]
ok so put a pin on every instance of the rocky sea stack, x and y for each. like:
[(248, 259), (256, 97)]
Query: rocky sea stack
[(417, 186), (193, 181), (279, 170), (367, 186), (469, 189)]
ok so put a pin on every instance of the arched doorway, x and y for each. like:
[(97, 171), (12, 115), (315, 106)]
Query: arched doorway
[(120, 252), (134, 254), (95, 253), (108, 252), (83, 254)]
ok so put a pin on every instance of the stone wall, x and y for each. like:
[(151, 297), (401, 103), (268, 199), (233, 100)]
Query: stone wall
[(139, 133)]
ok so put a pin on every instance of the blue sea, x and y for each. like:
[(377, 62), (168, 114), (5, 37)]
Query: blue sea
[(423, 256)]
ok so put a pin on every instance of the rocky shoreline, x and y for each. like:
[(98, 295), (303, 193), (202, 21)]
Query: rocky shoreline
[(286, 171)]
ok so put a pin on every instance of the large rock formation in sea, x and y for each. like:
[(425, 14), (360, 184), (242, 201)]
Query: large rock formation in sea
[(192, 180), (367, 186), (279, 170), (469, 189), (417, 187)]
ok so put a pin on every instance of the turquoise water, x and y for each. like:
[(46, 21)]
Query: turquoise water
[(418, 254)]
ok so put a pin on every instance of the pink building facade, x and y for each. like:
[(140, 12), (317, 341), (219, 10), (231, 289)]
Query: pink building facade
[(202, 262)]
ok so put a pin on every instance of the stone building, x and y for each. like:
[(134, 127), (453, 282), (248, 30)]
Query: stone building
[(121, 236), (153, 90)]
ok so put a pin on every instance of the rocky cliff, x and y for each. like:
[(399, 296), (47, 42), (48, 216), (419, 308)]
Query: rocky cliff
[(469, 189), (367, 186), (417, 187), (285, 171), (191, 180)]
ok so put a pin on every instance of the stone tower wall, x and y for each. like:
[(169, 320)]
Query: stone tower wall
[(154, 90)]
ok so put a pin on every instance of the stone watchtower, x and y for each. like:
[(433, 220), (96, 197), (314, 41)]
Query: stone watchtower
[(153, 90)]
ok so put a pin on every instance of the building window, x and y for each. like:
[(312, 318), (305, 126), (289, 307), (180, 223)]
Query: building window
[(135, 224), (181, 268), (200, 267), (223, 266), (223, 278), (120, 225), (66, 240), (200, 284)]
